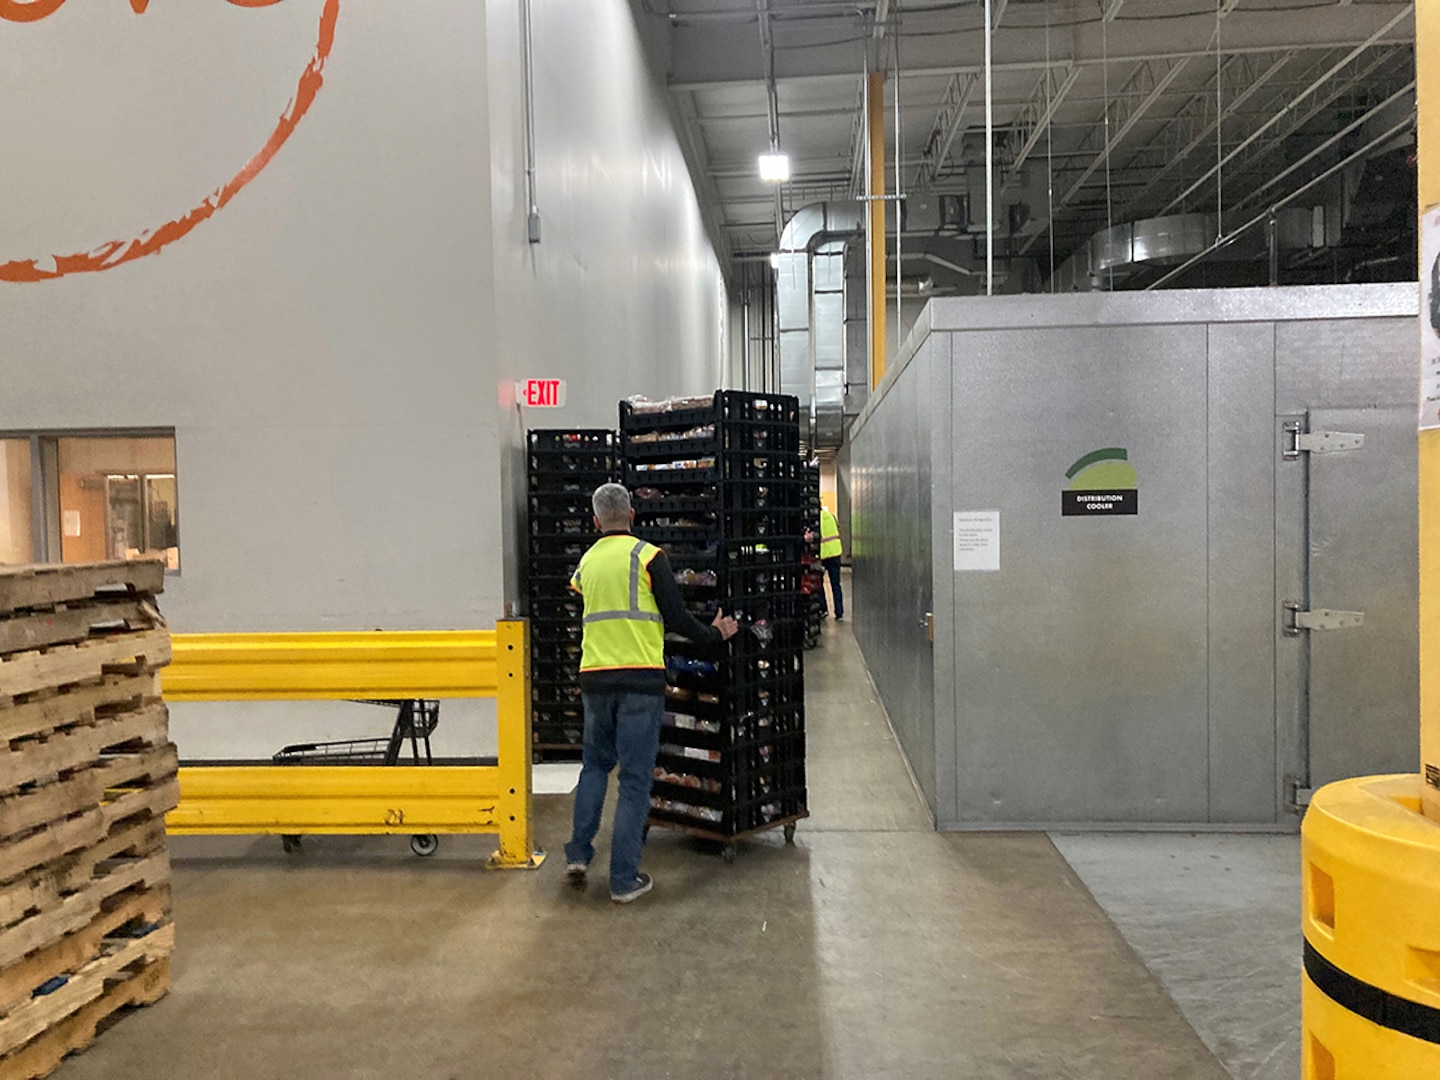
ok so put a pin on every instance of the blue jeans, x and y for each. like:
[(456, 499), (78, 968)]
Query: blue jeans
[(624, 729), (832, 567)]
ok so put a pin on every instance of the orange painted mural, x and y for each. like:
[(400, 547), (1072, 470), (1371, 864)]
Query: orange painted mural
[(116, 252)]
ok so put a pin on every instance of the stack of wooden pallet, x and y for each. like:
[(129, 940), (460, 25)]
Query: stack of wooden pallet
[(87, 772)]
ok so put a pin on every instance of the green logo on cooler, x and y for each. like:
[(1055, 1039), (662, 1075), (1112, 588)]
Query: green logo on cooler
[(1103, 482)]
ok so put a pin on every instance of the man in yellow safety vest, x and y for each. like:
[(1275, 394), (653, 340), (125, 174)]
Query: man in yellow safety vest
[(830, 559), (631, 599)]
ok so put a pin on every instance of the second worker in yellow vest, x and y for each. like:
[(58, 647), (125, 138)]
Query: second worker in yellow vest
[(830, 559), (631, 599)]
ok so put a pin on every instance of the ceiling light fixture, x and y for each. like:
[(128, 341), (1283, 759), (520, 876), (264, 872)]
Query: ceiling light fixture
[(774, 167)]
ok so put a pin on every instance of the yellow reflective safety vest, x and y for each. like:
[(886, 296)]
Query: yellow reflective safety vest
[(829, 535), (623, 627)]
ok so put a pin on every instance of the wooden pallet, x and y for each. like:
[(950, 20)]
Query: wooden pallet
[(78, 910), (73, 951), (64, 665), (52, 709), (87, 984), (54, 841), (39, 586), (87, 773), (113, 776), (140, 805), (37, 807), (45, 888), (69, 623), (41, 1055), (74, 748)]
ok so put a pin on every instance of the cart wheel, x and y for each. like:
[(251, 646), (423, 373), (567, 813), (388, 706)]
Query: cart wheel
[(290, 843), (424, 843), (790, 833), (728, 854)]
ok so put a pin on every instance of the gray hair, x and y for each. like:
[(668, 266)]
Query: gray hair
[(612, 506)]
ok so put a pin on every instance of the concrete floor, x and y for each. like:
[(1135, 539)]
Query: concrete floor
[(873, 947), (1217, 919)]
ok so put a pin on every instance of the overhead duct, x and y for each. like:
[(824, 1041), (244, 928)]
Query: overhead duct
[(822, 323), (1111, 255), (810, 303)]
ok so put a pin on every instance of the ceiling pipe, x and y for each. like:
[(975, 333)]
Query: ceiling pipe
[(527, 62), (989, 157)]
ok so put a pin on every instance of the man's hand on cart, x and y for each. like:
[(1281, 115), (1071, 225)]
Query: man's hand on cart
[(725, 624)]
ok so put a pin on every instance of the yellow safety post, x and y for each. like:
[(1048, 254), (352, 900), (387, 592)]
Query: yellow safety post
[(517, 799), (1371, 847), (875, 157), (1371, 917), (293, 800)]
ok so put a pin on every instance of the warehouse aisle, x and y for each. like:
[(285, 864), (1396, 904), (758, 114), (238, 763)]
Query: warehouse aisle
[(873, 947)]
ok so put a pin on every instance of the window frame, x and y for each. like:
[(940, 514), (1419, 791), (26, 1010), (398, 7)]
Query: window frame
[(45, 516)]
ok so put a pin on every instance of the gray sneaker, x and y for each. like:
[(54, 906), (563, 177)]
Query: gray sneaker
[(643, 884)]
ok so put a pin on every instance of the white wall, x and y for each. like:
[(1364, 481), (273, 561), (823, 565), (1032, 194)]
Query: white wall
[(623, 295), (331, 346)]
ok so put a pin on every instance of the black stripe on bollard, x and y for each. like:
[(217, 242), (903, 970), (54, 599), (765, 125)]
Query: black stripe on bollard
[(1376, 1005)]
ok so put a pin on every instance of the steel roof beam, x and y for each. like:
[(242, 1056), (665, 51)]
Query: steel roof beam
[(1134, 99), (1198, 118), (1035, 119), (1363, 84), (722, 56), (1317, 87), (950, 119), (857, 145), (1258, 194), (949, 122)]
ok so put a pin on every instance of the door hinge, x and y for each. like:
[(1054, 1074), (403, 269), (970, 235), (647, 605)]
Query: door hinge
[(1298, 618), (1297, 794), (1299, 441)]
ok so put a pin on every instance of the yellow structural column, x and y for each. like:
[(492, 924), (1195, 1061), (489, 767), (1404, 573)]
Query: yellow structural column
[(875, 125), (1427, 64)]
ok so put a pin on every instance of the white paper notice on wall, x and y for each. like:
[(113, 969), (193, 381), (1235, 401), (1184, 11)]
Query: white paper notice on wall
[(71, 522), (977, 540), (1430, 319)]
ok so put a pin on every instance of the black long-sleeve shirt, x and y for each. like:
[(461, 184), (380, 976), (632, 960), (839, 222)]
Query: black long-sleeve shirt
[(678, 620)]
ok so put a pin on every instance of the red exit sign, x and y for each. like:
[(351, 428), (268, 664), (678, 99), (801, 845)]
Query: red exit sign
[(541, 393)]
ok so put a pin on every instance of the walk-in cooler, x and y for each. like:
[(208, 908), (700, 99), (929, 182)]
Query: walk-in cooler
[(1143, 559)]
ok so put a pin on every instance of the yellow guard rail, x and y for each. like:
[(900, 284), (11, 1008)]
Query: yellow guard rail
[(292, 800)]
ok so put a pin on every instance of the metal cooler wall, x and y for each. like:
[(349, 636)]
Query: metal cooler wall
[(890, 529), (1133, 668)]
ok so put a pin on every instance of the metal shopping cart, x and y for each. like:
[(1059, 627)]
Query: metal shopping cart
[(415, 721)]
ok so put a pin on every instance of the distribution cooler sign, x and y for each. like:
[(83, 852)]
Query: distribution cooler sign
[(1103, 483), (1430, 319)]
